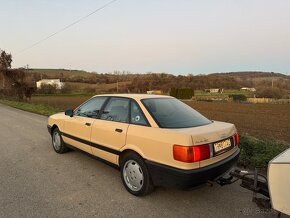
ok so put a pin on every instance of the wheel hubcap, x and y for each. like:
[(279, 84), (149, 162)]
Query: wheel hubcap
[(56, 141), (133, 175)]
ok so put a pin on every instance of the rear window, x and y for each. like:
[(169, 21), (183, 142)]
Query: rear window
[(172, 113)]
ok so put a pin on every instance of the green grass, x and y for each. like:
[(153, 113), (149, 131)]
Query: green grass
[(257, 153), (42, 109), (225, 93)]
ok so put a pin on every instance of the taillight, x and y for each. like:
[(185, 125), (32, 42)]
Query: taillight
[(237, 138), (191, 154), (201, 152)]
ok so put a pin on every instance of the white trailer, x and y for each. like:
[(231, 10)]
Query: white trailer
[(279, 182)]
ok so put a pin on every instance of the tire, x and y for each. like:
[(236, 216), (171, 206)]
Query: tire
[(57, 142), (135, 175)]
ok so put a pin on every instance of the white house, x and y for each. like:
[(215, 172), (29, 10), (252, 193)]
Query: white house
[(248, 89), (53, 82), (214, 90)]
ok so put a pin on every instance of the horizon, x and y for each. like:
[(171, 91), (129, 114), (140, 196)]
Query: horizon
[(179, 38), (129, 72)]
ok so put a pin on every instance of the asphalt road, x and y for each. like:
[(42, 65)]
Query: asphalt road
[(37, 182)]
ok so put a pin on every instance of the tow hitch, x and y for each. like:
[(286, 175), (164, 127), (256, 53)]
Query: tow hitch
[(252, 181), (277, 181)]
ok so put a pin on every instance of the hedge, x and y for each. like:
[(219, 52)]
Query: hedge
[(182, 93), (238, 97)]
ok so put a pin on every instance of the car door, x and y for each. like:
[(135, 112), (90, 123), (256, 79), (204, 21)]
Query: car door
[(109, 132), (77, 129)]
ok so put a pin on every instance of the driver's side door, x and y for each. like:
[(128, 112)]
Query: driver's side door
[(77, 129)]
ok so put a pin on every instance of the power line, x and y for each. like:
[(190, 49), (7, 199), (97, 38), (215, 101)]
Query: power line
[(66, 27)]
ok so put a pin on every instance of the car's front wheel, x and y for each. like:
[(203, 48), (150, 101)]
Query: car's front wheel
[(135, 175), (57, 142)]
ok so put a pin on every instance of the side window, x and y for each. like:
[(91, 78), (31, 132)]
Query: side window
[(91, 108), (137, 117), (117, 110)]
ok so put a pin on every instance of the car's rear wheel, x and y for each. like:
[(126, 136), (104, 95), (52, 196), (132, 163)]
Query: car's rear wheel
[(57, 142), (135, 175)]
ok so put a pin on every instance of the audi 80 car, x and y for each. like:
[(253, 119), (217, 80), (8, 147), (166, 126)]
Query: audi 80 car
[(154, 140)]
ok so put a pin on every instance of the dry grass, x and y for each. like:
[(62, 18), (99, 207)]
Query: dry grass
[(97, 88), (62, 102)]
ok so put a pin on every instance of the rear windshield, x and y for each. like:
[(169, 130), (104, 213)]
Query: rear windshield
[(172, 113)]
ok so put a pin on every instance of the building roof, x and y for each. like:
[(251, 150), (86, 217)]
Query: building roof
[(49, 80)]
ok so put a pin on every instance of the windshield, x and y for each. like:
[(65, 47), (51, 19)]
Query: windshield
[(172, 113)]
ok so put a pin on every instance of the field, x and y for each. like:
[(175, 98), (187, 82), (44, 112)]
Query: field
[(264, 121), (62, 102)]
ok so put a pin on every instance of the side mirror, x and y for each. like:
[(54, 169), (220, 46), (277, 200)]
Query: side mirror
[(69, 112)]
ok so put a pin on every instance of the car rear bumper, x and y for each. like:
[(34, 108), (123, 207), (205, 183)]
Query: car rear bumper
[(167, 176)]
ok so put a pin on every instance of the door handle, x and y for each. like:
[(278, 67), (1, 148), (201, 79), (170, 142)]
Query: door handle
[(88, 124), (118, 130)]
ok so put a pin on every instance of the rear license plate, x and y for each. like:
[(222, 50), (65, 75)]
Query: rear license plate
[(222, 145)]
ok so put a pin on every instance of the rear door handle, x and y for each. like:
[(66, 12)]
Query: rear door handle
[(88, 124), (118, 130)]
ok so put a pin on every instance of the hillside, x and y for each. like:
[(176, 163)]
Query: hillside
[(71, 75), (163, 81), (57, 73), (83, 81)]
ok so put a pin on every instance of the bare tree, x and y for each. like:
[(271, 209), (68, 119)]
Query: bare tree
[(5, 64), (14, 84)]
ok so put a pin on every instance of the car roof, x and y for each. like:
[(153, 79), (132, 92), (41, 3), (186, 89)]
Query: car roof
[(136, 96)]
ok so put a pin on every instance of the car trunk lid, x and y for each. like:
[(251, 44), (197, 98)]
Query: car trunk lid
[(214, 132), (211, 134)]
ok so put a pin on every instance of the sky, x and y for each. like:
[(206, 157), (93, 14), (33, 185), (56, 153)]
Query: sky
[(173, 36)]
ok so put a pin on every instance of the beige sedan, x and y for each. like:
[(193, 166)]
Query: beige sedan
[(154, 140)]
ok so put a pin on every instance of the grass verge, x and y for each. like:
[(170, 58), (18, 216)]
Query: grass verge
[(257, 153), (42, 109)]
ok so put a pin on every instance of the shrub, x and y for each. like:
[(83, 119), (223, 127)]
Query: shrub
[(67, 89), (238, 97), (47, 89), (182, 93), (270, 93), (257, 153)]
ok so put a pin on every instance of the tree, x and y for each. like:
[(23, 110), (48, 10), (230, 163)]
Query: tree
[(13, 79), (5, 64), (5, 60), (15, 82), (267, 92)]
